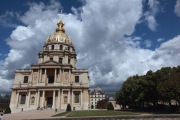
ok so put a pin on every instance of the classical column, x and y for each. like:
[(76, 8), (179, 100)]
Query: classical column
[(35, 102), (68, 97), (69, 75), (40, 77), (17, 99), (54, 92), (64, 75), (81, 99), (71, 97), (60, 75), (28, 99), (59, 98), (43, 99), (37, 99), (45, 76), (55, 76)]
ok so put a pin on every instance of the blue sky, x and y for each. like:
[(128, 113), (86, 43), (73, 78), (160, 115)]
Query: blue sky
[(114, 39)]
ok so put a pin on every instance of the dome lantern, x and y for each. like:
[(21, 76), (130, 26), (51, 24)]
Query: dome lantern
[(60, 27)]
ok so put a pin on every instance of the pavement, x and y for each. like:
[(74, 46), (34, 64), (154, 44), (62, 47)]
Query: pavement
[(47, 113), (32, 114)]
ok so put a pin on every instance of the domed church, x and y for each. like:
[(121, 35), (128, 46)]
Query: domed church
[(54, 82)]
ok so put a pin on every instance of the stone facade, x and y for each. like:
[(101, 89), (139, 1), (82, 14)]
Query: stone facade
[(96, 95), (54, 81)]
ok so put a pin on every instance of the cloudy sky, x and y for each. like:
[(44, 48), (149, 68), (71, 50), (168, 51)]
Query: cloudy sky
[(114, 39)]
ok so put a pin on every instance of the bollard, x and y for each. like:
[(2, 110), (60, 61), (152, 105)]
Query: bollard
[(21, 109), (55, 109)]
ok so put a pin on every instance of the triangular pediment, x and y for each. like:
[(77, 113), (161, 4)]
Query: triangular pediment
[(50, 62)]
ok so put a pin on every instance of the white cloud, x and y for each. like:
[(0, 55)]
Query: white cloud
[(7, 18), (98, 38), (154, 6), (147, 43), (177, 8), (5, 85), (24, 33), (151, 14), (160, 39), (152, 24), (168, 52)]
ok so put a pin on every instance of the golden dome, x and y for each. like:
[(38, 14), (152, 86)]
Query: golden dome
[(59, 36)]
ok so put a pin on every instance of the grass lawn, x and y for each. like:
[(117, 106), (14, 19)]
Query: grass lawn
[(61, 114), (95, 113)]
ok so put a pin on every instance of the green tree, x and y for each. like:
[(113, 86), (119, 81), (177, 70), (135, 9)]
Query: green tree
[(162, 85), (7, 111), (68, 107), (110, 106)]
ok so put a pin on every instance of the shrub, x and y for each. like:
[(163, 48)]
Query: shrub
[(110, 106), (8, 110), (68, 107)]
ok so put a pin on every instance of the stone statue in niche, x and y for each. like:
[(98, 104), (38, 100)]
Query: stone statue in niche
[(65, 99), (32, 100)]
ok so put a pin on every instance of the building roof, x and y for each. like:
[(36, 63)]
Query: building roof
[(97, 90), (5, 99)]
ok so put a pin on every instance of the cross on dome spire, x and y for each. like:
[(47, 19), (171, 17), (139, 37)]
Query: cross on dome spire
[(61, 16)]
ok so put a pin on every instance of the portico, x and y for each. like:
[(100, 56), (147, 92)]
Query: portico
[(50, 98)]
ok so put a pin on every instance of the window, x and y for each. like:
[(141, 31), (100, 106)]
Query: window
[(69, 61), (76, 98), (51, 58), (60, 60), (76, 79), (61, 47), (25, 79), (51, 79), (52, 47), (23, 99)]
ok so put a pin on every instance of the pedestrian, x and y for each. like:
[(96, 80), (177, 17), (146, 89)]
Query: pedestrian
[(1, 116)]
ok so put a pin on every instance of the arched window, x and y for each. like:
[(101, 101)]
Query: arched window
[(61, 47), (51, 58), (52, 47)]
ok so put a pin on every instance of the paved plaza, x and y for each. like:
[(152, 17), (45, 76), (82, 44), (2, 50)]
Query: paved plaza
[(47, 113), (32, 114)]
